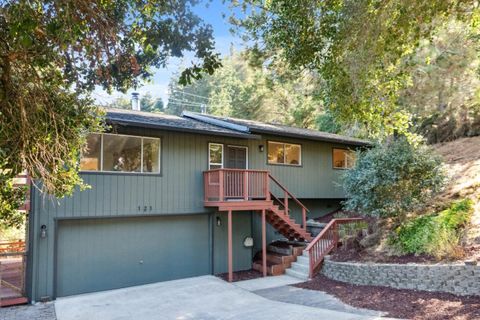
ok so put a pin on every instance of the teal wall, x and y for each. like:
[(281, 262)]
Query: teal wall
[(242, 228), (178, 190)]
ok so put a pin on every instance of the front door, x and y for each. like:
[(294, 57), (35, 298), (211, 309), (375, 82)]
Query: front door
[(236, 157)]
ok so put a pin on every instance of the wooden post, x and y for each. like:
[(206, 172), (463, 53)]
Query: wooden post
[(264, 243), (230, 254), (304, 219), (221, 185), (286, 202), (267, 187), (245, 185)]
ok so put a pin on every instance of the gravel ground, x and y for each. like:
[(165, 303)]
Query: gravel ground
[(39, 311), (405, 304)]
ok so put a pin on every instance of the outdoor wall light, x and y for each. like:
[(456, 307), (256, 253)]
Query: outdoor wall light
[(261, 148), (219, 222), (43, 231)]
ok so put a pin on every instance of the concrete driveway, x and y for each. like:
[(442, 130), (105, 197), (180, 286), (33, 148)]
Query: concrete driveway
[(205, 298)]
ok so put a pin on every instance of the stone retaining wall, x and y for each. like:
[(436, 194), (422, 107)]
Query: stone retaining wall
[(458, 279)]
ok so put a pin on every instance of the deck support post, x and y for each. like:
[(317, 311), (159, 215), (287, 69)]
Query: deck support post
[(230, 254), (264, 243)]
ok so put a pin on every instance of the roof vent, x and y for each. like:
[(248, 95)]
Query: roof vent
[(135, 101)]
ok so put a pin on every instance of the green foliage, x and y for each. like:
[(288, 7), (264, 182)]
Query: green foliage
[(244, 88), (443, 95), (11, 198), (361, 48), (434, 234), (393, 178), (346, 230), (54, 53)]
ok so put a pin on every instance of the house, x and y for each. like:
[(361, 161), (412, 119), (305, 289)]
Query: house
[(174, 197)]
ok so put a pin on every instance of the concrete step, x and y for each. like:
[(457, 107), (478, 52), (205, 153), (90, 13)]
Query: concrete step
[(303, 259), (300, 267), (296, 274)]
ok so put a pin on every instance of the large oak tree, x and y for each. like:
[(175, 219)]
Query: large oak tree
[(54, 53)]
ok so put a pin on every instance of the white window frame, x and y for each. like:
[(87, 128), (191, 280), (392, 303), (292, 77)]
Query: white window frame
[(345, 151), (223, 155), (285, 154), (141, 155)]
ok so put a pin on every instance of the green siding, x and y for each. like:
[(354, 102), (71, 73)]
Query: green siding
[(242, 228), (178, 190)]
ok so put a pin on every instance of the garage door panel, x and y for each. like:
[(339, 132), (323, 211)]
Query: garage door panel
[(102, 254)]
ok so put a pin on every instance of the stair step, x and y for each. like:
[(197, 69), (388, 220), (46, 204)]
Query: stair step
[(300, 267), (296, 274), (272, 269), (286, 260), (303, 259)]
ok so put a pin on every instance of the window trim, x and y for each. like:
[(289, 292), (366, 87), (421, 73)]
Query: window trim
[(333, 162), (285, 154), (223, 155), (140, 173)]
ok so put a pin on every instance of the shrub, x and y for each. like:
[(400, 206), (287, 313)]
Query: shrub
[(392, 179), (435, 234)]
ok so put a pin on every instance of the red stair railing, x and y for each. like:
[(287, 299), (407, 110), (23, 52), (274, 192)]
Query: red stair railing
[(286, 195), (325, 242)]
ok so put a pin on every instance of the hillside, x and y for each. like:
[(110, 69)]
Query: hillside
[(462, 158)]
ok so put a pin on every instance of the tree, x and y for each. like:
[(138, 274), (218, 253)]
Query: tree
[(358, 46), (444, 95), (151, 104), (54, 53), (392, 179), (244, 88)]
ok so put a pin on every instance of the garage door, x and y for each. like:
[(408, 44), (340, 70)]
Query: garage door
[(102, 254)]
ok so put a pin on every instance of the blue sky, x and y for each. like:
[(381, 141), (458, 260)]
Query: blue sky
[(211, 12)]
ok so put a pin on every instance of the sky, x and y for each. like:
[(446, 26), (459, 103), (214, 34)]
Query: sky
[(211, 13)]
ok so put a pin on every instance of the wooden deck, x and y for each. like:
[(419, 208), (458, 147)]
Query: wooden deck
[(12, 279)]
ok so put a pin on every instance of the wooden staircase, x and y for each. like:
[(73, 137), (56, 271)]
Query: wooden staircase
[(251, 190), (280, 257), (283, 223)]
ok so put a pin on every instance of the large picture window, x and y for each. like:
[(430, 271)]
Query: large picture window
[(121, 153), (343, 158), (284, 153), (215, 156)]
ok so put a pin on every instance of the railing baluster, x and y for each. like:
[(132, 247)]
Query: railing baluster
[(326, 241)]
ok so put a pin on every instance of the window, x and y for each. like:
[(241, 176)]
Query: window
[(90, 160), (215, 156), (121, 153), (284, 153), (343, 158)]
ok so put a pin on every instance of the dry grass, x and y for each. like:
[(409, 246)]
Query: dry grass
[(462, 158)]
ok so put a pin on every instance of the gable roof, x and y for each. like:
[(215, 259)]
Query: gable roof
[(275, 129), (170, 122)]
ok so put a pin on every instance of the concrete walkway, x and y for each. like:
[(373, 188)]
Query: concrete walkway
[(205, 298), (267, 283), (313, 298)]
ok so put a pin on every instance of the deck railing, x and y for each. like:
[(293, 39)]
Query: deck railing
[(236, 184), (325, 242), (247, 185)]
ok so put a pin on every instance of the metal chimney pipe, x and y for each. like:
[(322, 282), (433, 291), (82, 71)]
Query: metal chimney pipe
[(135, 101)]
